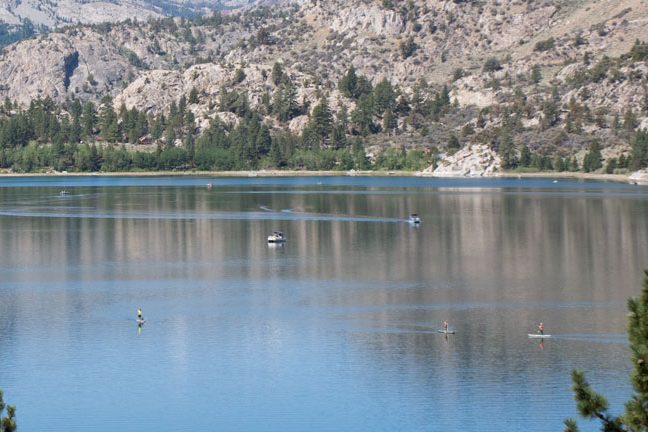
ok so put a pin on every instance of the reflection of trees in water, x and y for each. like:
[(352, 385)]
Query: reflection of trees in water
[(475, 246)]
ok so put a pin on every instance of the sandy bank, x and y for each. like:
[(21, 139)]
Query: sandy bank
[(624, 178)]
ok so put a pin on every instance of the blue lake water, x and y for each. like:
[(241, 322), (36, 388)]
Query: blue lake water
[(334, 331)]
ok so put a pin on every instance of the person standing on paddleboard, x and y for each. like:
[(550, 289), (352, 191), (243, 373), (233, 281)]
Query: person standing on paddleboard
[(139, 314), (445, 326), (541, 329)]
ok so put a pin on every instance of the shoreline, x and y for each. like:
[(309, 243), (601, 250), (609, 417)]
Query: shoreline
[(622, 178)]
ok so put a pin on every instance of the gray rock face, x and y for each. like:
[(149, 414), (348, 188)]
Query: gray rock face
[(370, 19), (473, 161), (55, 13), (37, 68)]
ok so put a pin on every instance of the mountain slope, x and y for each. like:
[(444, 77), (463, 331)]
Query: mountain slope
[(554, 74), (57, 13)]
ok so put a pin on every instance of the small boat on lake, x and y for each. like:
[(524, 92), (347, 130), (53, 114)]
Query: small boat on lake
[(414, 218), (64, 193), (277, 237)]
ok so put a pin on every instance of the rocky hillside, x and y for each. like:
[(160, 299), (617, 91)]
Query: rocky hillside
[(551, 74), (57, 13)]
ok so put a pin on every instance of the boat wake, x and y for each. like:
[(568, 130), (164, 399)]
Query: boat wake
[(265, 214), (601, 338)]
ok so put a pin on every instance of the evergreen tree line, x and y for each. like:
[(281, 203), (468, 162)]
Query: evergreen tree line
[(514, 158), (85, 138)]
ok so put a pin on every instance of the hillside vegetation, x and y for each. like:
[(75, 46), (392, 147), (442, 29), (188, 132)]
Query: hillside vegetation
[(551, 85)]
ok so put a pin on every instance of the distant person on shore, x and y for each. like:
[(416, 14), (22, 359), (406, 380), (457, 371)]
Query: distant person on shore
[(541, 329)]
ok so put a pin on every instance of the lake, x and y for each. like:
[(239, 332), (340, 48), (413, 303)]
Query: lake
[(336, 330)]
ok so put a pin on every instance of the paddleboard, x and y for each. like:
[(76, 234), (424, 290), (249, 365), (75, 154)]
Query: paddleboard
[(140, 321), (538, 336), (446, 332)]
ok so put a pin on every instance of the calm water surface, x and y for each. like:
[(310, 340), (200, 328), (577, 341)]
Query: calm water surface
[(334, 331)]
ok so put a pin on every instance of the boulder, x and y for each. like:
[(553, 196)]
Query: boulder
[(639, 177), (473, 161)]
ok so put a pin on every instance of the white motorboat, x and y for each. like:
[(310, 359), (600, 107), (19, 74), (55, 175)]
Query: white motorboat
[(277, 237), (414, 218)]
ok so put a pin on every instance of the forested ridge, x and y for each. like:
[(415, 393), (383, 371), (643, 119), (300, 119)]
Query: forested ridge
[(332, 86)]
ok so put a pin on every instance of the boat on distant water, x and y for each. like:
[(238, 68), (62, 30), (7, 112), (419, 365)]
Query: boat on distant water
[(414, 218), (277, 237), (64, 193)]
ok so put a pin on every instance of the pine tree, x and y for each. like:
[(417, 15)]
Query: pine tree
[(108, 122), (343, 118), (263, 141), (321, 120), (525, 156), (277, 73), (362, 115), (453, 144), (353, 85), (8, 422), (536, 74), (266, 104), (284, 103), (390, 122), (157, 126), (75, 130), (408, 47), (574, 119), (623, 162), (384, 97), (349, 83), (593, 405), (338, 138), (193, 95), (169, 135), (190, 146), (574, 164), (275, 155), (420, 103), (640, 150), (507, 150), (550, 109), (182, 110), (611, 166), (95, 158), (593, 158), (616, 122)]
